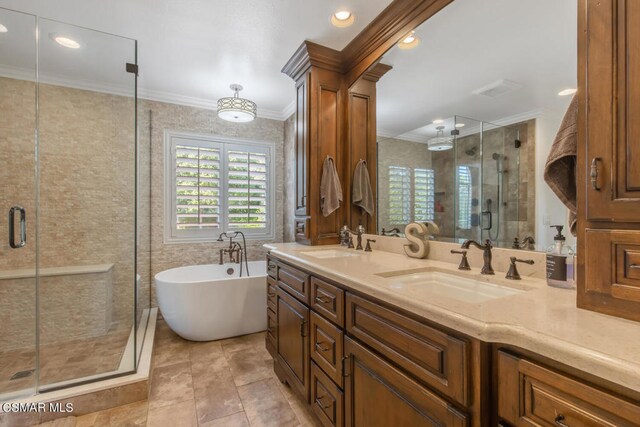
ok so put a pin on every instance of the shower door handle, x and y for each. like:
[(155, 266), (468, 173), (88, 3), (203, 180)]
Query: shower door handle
[(23, 227)]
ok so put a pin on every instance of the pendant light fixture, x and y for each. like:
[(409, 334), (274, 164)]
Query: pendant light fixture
[(440, 142), (236, 109)]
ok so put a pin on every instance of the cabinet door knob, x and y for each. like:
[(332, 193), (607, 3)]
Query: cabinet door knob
[(594, 173), (322, 346), (559, 420)]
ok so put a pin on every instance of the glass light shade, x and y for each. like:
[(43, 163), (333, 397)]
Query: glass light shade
[(440, 142), (236, 109)]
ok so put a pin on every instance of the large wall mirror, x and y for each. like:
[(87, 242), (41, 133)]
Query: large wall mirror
[(466, 118)]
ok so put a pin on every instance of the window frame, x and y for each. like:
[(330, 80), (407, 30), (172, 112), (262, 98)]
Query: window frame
[(224, 144)]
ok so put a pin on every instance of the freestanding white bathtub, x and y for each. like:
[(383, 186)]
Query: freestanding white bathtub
[(211, 302)]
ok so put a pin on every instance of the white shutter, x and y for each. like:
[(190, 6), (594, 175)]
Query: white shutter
[(247, 189), (423, 195), (197, 187), (464, 197), (399, 195)]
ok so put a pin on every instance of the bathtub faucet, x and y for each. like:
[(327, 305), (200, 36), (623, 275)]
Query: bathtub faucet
[(236, 250)]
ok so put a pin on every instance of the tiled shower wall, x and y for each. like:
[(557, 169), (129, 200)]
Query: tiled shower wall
[(86, 207)]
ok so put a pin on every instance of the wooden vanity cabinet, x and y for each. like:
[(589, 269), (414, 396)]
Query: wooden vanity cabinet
[(608, 173), (292, 341), (532, 394), (358, 363)]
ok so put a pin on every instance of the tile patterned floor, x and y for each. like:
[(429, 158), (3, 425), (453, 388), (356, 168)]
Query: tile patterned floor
[(64, 361), (227, 383)]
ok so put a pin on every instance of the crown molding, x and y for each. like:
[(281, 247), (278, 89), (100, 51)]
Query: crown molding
[(312, 54), (375, 73), (127, 91)]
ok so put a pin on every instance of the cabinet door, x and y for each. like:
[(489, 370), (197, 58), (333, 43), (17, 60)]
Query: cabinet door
[(611, 55), (378, 394), (292, 341), (302, 148)]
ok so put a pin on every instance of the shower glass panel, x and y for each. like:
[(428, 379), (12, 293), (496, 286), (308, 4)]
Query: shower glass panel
[(87, 204), (468, 178), (500, 189), (18, 283)]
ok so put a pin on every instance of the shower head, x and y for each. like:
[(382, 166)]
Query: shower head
[(471, 151), (496, 156)]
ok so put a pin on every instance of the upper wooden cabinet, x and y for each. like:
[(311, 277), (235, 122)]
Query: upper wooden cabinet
[(611, 81), (609, 157)]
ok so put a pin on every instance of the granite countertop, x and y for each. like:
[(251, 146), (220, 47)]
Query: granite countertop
[(541, 319)]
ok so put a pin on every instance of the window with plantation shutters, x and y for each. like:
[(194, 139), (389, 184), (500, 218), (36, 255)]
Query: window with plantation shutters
[(247, 189), (464, 197), (423, 194), (197, 183), (217, 184), (399, 195)]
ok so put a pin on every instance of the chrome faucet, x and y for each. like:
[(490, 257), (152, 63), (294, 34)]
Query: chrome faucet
[(486, 268)]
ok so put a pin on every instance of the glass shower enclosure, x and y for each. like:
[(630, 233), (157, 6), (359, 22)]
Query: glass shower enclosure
[(69, 276)]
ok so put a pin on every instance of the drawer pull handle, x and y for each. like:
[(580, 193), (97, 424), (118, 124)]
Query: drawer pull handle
[(271, 294), (323, 300), (594, 173), (322, 405), (344, 363), (302, 328), (560, 421), (634, 267), (272, 266), (322, 346)]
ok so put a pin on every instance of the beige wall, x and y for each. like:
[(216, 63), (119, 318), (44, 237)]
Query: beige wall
[(289, 178), (396, 152), (174, 117), (87, 199)]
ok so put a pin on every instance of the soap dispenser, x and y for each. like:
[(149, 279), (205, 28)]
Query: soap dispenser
[(559, 271)]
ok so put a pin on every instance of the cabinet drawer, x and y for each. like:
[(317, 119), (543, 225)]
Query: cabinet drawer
[(271, 293), (326, 347), (432, 356), (377, 394), (327, 401), (271, 332), (612, 260), (272, 268), (295, 282), (328, 300), (530, 394)]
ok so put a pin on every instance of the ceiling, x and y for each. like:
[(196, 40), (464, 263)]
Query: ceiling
[(190, 51), (471, 44)]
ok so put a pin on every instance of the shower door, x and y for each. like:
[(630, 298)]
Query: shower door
[(68, 198), (87, 204), (18, 287)]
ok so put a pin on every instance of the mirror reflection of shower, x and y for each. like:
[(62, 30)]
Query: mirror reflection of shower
[(494, 232)]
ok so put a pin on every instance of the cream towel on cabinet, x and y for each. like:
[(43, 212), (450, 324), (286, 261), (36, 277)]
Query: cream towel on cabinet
[(362, 193), (330, 188)]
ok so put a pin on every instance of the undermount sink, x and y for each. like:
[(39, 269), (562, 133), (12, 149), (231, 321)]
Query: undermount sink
[(330, 253), (450, 285)]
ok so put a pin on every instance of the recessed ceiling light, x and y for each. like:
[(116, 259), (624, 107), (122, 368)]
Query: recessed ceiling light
[(409, 41), (567, 92), (459, 125), (342, 18), (438, 121), (64, 41), (3, 29)]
